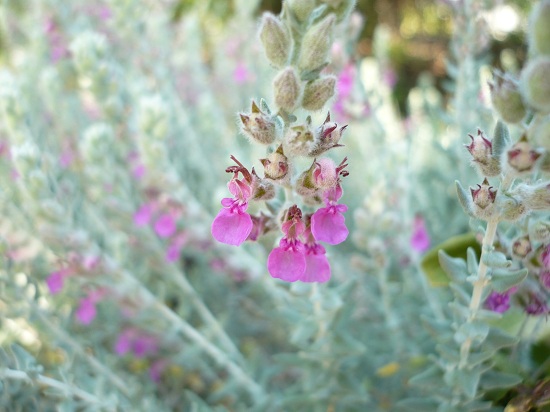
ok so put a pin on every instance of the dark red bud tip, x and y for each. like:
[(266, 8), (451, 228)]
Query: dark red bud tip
[(327, 119), (244, 119), (329, 130), (265, 162)]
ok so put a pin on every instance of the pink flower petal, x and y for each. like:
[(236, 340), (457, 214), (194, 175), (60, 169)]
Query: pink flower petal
[(231, 228), (86, 312), (55, 282), (286, 264), (165, 226), (124, 342), (317, 269), (143, 215), (329, 225)]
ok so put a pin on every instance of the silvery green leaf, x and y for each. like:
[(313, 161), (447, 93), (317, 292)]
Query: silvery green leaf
[(428, 378), (317, 13), (498, 339), (501, 139), (465, 200), (460, 293), (475, 331), (454, 267), (503, 281), (494, 380), (488, 315), (264, 107), (449, 353), (471, 261), (303, 333), (478, 406), (468, 380), (417, 404), (480, 357), (462, 311), (496, 260)]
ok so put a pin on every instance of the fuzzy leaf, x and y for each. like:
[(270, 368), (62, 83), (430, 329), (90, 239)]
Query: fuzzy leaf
[(454, 267), (317, 13), (480, 357), (465, 200), (417, 404), (475, 331), (264, 107), (496, 260), (501, 139), (471, 260), (499, 339), (428, 378), (456, 247), (468, 380), (502, 281), (460, 294), (496, 380)]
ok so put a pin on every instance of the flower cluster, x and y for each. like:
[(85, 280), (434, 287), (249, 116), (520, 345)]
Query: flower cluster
[(299, 255)]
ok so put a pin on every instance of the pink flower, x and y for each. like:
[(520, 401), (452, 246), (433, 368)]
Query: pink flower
[(545, 257), (498, 302), (156, 369), (420, 240), (143, 215), (174, 249), (241, 74), (328, 224), (56, 279), (123, 344), (317, 266), (233, 225), (287, 262), (144, 345), (345, 82), (86, 311), (165, 226)]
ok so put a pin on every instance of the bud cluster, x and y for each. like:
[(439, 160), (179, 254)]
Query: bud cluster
[(298, 44)]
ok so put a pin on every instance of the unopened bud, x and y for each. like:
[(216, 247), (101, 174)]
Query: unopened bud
[(317, 93), (287, 89), (316, 45), (258, 126), (535, 83), (536, 197), (276, 165), (506, 98), (481, 150), (262, 188), (153, 116), (275, 39), (522, 157), (327, 137), (539, 131), (342, 8), (305, 185), (522, 247), (97, 143), (483, 200), (299, 140), (539, 231), (26, 157), (539, 29), (88, 50), (301, 8)]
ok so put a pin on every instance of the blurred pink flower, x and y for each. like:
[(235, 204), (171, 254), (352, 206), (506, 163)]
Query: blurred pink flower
[(241, 74), (86, 311), (165, 225), (420, 240), (56, 280), (143, 214)]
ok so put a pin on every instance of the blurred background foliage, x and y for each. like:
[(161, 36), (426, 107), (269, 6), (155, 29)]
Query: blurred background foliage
[(420, 34)]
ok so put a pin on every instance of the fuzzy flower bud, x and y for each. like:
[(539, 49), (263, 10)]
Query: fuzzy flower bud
[(316, 44), (522, 157), (522, 247), (299, 140), (535, 83), (301, 8), (506, 98), (539, 231), (327, 137), (275, 39), (481, 150), (539, 29), (483, 200), (276, 165), (97, 143), (536, 197), (153, 116), (258, 126), (26, 157), (318, 92), (88, 49), (287, 89)]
